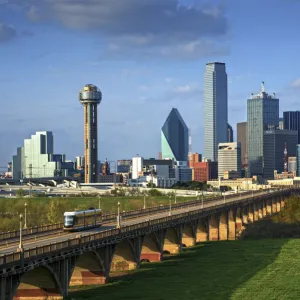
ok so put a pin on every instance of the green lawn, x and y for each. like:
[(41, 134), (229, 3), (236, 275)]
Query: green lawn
[(261, 269)]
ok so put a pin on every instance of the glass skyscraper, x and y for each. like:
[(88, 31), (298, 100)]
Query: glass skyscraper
[(262, 114), (175, 137), (215, 109), (291, 121)]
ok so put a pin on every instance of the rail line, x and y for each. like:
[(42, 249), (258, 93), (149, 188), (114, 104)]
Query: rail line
[(53, 229)]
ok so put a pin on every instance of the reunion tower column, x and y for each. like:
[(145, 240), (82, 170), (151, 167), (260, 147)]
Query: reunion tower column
[(90, 97)]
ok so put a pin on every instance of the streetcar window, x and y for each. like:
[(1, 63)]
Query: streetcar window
[(69, 221)]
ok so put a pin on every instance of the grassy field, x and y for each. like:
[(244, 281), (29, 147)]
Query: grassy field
[(245, 269), (43, 210)]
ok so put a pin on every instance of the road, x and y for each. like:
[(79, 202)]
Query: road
[(62, 236)]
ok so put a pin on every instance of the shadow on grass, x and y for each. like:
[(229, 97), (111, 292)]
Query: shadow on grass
[(213, 270)]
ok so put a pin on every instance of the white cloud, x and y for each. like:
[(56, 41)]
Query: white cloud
[(296, 83)]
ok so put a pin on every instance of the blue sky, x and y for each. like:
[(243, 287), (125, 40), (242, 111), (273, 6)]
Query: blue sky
[(146, 56)]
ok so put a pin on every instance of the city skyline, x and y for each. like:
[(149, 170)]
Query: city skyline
[(40, 86)]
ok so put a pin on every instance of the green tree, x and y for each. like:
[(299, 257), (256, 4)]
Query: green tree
[(20, 193)]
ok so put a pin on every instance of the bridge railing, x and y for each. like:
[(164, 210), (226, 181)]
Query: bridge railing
[(40, 250), (124, 215)]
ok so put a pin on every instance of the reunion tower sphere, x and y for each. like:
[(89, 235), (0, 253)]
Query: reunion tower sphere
[(90, 96)]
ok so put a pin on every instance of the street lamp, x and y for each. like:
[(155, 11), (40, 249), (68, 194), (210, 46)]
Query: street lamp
[(170, 202), (118, 217), (144, 202), (20, 249), (25, 219), (99, 202), (175, 198)]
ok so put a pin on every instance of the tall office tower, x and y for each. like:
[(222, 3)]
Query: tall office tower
[(291, 121), (276, 141), (229, 158), (241, 129), (229, 133), (262, 114), (215, 109), (175, 137), (90, 97)]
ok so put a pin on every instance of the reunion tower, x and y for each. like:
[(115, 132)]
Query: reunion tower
[(90, 97)]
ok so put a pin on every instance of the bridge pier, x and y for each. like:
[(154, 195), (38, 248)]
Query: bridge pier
[(244, 212), (202, 230), (173, 240), (269, 206), (231, 225), (278, 204), (238, 222), (282, 201), (152, 247), (223, 226), (264, 208), (250, 213), (213, 229), (127, 255), (255, 212), (274, 206)]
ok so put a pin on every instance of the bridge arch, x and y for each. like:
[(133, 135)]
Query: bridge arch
[(173, 240), (202, 230), (125, 256), (88, 269), (39, 283), (189, 235), (152, 247)]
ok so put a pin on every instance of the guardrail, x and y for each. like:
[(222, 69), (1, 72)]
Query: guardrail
[(31, 252), (113, 216)]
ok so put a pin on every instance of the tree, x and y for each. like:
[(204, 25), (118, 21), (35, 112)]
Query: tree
[(151, 185), (20, 193)]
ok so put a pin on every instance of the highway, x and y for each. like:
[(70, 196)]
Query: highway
[(63, 236)]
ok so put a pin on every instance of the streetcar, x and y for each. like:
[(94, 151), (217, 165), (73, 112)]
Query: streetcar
[(82, 220)]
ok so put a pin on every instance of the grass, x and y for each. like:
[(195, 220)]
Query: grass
[(245, 269)]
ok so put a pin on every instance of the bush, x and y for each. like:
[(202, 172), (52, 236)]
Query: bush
[(154, 192)]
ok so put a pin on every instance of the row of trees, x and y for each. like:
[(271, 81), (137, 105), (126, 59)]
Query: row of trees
[(192, 185)]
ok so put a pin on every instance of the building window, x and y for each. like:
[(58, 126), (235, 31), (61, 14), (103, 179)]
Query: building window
[(87, 169), (87, 143)]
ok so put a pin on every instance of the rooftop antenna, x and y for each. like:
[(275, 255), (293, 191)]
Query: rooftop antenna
[(262, 86)]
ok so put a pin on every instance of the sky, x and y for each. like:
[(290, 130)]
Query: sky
[(146, 56)]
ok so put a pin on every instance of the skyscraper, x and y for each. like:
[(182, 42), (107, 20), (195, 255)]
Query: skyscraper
[(90, 97), (241, 129), (291, 121), (175, 137), (215, 109), (229, 133), (275, 142), (262, 114)]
